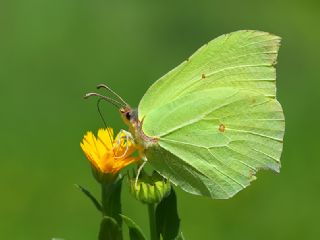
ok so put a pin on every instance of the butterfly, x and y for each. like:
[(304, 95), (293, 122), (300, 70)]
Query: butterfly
[(212, 122)]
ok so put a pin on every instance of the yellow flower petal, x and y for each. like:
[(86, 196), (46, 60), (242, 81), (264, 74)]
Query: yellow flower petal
[(106, 154)]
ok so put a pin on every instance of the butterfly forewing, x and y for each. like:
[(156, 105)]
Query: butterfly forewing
[(242, 59)]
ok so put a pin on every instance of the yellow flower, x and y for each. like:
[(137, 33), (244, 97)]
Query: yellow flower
[(106, 154)]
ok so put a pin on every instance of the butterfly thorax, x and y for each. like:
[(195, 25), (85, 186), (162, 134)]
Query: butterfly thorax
[(131, 119)]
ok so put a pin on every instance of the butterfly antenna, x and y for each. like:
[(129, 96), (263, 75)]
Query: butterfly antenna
[(108, 99), (104, 122), (100, 113), (113, 92)]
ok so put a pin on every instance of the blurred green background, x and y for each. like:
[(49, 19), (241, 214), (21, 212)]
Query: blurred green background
[(52, 52)]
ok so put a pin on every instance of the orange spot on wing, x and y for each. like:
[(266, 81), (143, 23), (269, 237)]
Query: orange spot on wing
[(203, 76), (222, 128)]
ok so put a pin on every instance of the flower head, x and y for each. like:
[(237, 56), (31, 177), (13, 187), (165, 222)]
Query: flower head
[(106, 154)]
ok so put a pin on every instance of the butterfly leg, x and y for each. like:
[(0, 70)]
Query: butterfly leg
[(145, 160), (127, 136)]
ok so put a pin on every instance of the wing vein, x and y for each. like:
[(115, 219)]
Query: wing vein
[(231, 178), (254, 133)]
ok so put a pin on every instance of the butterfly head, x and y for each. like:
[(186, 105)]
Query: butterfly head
[(129, 116), (131, 119)]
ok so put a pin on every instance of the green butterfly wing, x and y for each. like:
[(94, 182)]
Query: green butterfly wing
[(212, 142), (214, 136), (241, 59)]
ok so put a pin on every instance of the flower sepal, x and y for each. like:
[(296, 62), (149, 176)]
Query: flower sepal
[(102, 177)]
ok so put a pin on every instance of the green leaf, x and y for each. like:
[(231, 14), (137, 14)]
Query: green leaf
[(135, 231), (91, 197), (109, 229), (167, 219)]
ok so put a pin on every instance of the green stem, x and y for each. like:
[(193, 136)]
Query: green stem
[(111, 203), (152, 222)]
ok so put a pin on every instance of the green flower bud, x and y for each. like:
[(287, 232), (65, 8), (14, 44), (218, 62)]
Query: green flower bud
[(149, 189)]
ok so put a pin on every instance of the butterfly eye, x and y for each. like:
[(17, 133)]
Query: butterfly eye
[(128, 115)]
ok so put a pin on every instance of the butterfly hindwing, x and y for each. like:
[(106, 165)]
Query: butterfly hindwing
[(212, 142)]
